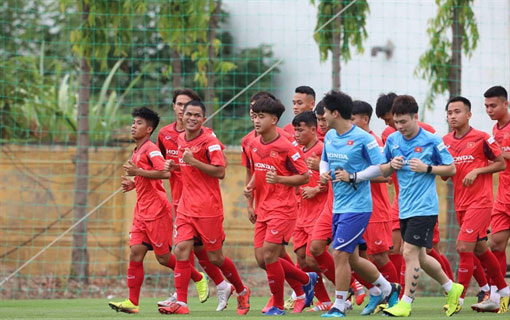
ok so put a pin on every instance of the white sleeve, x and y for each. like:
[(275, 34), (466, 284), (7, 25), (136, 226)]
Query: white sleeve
[(323, 166), (369, 173)]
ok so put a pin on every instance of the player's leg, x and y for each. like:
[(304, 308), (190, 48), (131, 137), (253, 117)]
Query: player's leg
[(481, 278), (378, 237), (500, 227)]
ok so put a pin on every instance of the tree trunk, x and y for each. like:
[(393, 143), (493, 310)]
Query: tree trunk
[(211, 35), (80, 257), (454, 88), (176, 70), (337, 51)]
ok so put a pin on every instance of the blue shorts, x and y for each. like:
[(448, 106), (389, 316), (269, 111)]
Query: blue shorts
[(348, 230)]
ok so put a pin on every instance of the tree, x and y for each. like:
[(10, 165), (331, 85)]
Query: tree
[(452, 32), (338, 35), (102, 23)]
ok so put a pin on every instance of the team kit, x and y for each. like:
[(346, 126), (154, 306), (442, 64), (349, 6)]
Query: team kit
[(323, 182)]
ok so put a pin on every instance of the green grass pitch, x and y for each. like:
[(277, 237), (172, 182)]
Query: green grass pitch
[(423, 308)]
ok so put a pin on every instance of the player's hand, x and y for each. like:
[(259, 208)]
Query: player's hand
[(187, 156), (397, 163), (272, 177), (313, 162), (417, 165), (251, 214), (310, 192), (130, 169), (170, 165), (470, 178), (127, 184), (326, 177), (342, 175)]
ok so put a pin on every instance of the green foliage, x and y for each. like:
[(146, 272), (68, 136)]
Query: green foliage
[(435, 64), (352, 29)]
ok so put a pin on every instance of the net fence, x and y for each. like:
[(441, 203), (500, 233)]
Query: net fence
[(59, 58)]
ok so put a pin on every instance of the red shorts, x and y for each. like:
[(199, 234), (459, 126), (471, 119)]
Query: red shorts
[(323, 229), (378, 237), (473, 223), (155, 234), (500, 218), (436, 237), (302, 237), (273, 230), (394, 218), (204, 231)]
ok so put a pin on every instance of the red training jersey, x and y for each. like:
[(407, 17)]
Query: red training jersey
[(151, 200), (290, 130), (473, 150), (252, 135), (310, 209), (502, 137), (275, 200), (381, 208), (201, 195), (167, 143)]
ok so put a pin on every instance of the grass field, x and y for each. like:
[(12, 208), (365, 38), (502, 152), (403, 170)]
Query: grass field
[(423, 308)]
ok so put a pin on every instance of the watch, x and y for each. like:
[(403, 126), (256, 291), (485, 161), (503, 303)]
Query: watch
[(429, 169)]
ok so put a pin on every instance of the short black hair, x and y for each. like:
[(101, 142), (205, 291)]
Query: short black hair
[(261, 94), (362, 107), (269, 105), (384, 104), (149, 115), (308, 117), (195, 103), (319, 108), (339, 101), (404, 104), (305, 90), (186, 92), (496, 91), (465, 101)]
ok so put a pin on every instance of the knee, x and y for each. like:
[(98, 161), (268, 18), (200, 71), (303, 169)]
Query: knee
[(216, 258), (380, 259), (135, 257), (461, 248), (316, 249), (163, 260)]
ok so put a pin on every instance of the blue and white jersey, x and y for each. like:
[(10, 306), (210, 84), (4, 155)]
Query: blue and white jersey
[(418, 195), (353, 151)]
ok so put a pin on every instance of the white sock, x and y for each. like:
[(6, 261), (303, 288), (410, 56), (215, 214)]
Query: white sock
[(494, 294), (182, 303), (300, 297), (375, 291), (504, 292), (447, 286), (222, 286), (383, 284), (461, 301), (293, 295), (242, 293), (340, 297), (485, 287), (407, 299)]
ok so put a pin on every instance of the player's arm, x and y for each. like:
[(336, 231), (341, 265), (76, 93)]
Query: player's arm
[(132, 170), (417, 165), (293, 181), (127, 184), (497, 164), (215, 171)]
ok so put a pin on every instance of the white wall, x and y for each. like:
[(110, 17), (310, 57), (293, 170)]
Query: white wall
[(289, 25)]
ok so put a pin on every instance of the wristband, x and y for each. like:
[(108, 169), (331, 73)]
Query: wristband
[(429, 169)]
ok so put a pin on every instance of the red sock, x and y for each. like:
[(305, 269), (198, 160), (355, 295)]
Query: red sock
[(402, 278), (479, 272), (134, 280), (294, 273), (171, 262), (448, 268), (397, 261), (182, 274), (288, 258), (434, 254), (327, 265), (389, 272), (320, 290), (490, 262), (367, 284), (212, 270), (275, 276), (465, 271), (501, 257), (229, 270)]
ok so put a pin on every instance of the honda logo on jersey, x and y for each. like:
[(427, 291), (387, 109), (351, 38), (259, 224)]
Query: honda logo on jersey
[(418, 149)]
